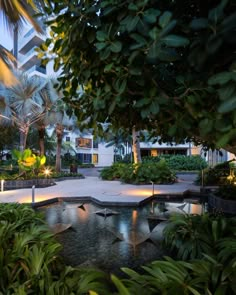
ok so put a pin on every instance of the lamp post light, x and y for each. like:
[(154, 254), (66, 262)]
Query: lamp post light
[(2, 185), (152, 187), (33, 194)]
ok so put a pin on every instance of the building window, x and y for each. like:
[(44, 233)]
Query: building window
[(84, 142), (84, 158), (95, 158), (95, 144), (67, 138)]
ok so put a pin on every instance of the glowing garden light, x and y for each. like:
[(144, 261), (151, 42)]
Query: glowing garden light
[(47, 172), (2, 185)]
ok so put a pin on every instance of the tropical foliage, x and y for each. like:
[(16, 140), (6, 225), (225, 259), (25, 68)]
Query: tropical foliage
[(155, 65), (28, 162), (216, 175), (208, 276), (141, 173), (193, 236), (30, 262), (15, 14), (180, 162), (21, 104)]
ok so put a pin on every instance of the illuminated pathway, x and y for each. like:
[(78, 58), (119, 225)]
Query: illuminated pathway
[(105, 191)]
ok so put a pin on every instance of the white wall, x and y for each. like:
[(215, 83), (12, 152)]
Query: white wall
[(105, 155)]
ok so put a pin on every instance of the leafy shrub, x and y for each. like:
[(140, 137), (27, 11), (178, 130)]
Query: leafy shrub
[(142, 173), (208, 276), (227, 192), (158, 173), (28, 162), (30, 261), (180, 162), (193, 236), (113, 172), (216, 175)]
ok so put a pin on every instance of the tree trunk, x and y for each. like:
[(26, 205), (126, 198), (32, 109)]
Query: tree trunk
[(23, 139), (136, 146), (59, 132), (22, 135), (41, 134), (15, 45)]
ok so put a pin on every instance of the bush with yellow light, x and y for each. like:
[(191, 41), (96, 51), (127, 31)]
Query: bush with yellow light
[(28, 162)]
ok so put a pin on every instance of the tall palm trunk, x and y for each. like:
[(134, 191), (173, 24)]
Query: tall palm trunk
[(59, 132), (15, 44), (136, 146), (22, 141), (23, 137), (41, 134)]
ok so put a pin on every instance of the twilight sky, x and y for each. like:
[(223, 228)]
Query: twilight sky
[(5, 38)]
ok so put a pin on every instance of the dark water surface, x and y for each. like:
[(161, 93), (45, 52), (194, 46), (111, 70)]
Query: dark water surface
[(113, 237)]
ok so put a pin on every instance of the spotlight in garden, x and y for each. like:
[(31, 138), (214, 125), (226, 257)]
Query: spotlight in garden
[(47, 172)]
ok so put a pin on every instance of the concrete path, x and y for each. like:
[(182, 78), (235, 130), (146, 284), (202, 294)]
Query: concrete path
[(105, 191)]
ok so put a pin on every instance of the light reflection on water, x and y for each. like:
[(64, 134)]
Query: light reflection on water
[(127, 239)]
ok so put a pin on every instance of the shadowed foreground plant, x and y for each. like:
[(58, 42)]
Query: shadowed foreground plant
[(208, 276), (30, 261), (192, 236)]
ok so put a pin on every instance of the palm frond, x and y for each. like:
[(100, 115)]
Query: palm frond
[(18, 12)]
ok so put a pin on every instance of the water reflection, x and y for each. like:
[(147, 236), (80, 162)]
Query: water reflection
[(130, 237)]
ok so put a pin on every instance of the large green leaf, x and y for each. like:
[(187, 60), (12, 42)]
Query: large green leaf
[(116, 46), (220, 78), (168, 28), (101, 36), (131, 25), (175, 41), (120, 286), (100, 45), (150, 15), (165, 18), (228, 105), (227, 91)]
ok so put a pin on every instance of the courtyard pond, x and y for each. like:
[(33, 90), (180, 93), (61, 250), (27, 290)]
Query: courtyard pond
[(112, 237)]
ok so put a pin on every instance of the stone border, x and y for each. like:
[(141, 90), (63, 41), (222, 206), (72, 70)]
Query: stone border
[(162, 197), (39, 182), (226, 206), (28, 183)]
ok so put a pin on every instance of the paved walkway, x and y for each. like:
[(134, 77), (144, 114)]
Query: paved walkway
[(104, 191)]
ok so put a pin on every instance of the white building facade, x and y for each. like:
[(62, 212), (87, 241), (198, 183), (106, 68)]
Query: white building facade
[(88, 150)]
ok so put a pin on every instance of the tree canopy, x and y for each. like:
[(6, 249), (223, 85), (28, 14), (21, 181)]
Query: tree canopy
[(167, 66)]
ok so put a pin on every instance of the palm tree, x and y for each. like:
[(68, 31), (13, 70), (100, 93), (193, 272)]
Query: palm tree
[(49, 98), (23, 104), (6, 75), (60, 120), (15, 14), (54, 116)]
